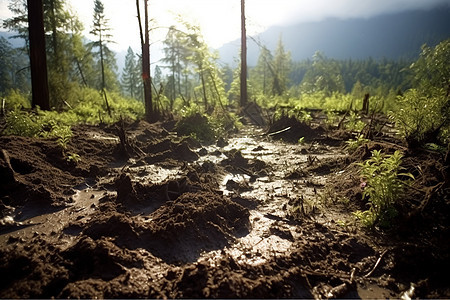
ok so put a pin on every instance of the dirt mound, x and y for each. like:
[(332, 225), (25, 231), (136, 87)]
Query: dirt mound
[(289, 129), (178, 230), (167, 149), (237, 163), (181, 229), (33, 175), (228, 279)]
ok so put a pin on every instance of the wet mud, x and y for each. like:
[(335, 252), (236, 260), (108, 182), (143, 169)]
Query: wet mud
[(146, 212)]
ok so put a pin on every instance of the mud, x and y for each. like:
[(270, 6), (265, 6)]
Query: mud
[(148, 213)]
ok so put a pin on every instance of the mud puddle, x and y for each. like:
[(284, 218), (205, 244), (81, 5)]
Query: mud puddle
[(259, 171), (33, 220)]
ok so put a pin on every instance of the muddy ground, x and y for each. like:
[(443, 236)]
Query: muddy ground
[(143, 212)]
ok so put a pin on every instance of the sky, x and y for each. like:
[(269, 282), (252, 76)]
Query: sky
[(219, 20)]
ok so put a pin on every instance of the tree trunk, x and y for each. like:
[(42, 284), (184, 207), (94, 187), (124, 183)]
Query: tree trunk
[(202, 79), (38, 58), (103, 77), (243, 57), (54, 33), (146, 68), (365, 108)]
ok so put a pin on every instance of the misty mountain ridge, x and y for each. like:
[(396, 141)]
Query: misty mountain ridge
[(392, 36)]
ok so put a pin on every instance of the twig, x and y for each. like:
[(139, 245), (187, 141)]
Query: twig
[(376, 264), (3, 107), (279, 131)]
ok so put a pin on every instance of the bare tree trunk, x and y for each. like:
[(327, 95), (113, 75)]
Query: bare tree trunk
[(38, 58), (103, 77), (81, 72), (243, 78), (146, 68), (202, 78), (54, 33), (365, 108)]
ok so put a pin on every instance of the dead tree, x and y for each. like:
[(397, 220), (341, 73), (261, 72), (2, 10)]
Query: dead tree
[(244, 95), (145, 45)]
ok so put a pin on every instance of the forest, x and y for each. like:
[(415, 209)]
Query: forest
[(189, 178)]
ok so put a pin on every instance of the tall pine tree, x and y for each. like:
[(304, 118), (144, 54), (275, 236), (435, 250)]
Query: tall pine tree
[(131, 75), (106, 59)]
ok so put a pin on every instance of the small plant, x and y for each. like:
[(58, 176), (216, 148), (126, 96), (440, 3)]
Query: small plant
[(62, 133), (332, 118), (352, 144), (301, 140), (73, 157), (354, 123), (383, 186)]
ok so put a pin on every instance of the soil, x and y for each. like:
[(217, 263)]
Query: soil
[(146, 213)]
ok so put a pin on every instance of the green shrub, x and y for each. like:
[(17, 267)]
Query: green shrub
[(423, 113), (383, 187), (354, 122), (197, 126), (332, 118), (22, 123), (423, 117), (15, 98)]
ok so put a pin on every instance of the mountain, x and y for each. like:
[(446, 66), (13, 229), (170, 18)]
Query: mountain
[(10, 37), (392, 36)]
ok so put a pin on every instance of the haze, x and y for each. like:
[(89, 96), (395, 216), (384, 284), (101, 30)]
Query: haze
[(219, 19)]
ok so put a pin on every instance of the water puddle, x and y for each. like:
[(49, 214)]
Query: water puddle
[(270, 236), (32, 221)]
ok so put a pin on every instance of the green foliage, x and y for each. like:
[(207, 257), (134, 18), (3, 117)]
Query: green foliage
[(205, 127), (73, 157), (131, 76), (21, 123), (325, 76), (354, 122), (106, 62), (13, 68), (57, 125), (280, 69), (296, 112), (14, 98), (52, 129), (196, 125), (332, 118), (423, 113), (419, 115), (381, 179), (224, 122), (352, 144), (90, 107), (270, 77), (38, 124)]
